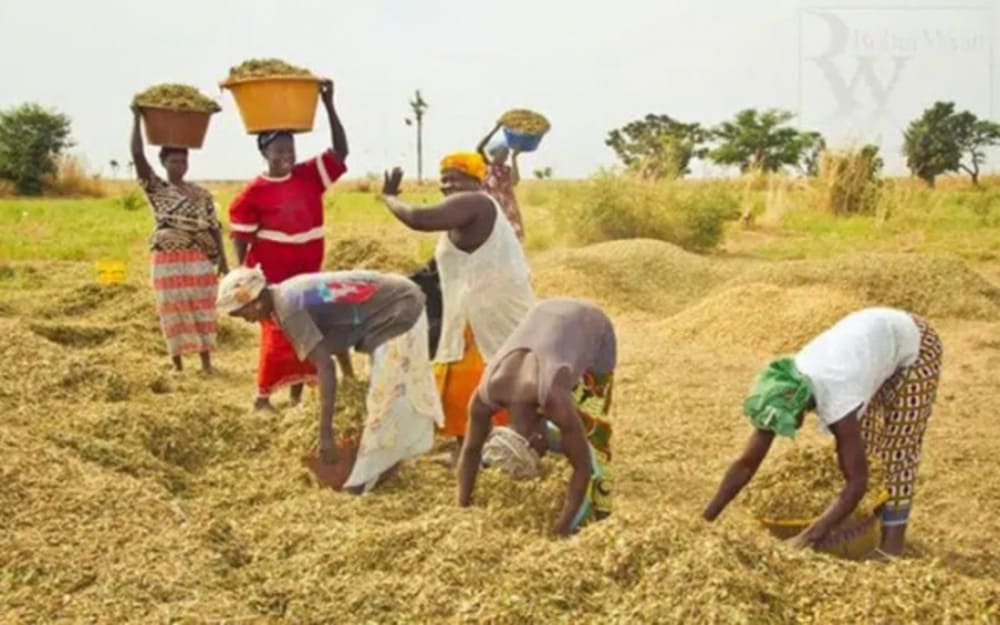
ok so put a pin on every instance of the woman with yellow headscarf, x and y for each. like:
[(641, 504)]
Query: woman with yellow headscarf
[(485, 280)]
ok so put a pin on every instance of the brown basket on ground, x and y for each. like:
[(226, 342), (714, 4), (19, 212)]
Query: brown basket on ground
[(175, 128), (853, 538), (275, 102), (334, 475)]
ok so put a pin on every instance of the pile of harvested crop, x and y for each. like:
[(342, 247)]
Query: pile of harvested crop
[(525, 122), (763, 318), (297, 427), (361, 252), (636, 274), (803, 481), (264, 68), (349, 413), (182, 504), (177, 97), (930, 285)]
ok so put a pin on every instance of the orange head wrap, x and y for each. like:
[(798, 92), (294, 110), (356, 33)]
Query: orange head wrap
[(469, 163)]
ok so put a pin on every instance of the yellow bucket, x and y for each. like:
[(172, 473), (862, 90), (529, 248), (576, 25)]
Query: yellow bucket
[(275, 102), (853, 538), (110, 272)]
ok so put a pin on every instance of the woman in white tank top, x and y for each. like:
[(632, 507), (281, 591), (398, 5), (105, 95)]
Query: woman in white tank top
[(485, 280)]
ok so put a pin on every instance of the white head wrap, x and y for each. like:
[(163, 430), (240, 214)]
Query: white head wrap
[(510, 452), (240, 287)]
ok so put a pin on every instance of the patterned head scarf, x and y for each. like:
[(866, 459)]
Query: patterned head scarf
[(240, 287), (265, 139), (469, 163), (779, 395), (510, 452)]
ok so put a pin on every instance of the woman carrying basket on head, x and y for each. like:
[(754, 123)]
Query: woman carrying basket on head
[(872, 380), (277, 222), (187, 252), (502, 178)]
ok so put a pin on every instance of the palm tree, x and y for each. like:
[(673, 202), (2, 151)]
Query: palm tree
[(419, 106)]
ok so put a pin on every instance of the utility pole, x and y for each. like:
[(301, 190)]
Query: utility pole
[(418, 105)]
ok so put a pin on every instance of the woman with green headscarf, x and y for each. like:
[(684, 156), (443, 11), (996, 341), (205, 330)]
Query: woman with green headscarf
[(872, 380)]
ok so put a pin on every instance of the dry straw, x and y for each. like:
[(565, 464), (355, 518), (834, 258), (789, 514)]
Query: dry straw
[(130, 494)]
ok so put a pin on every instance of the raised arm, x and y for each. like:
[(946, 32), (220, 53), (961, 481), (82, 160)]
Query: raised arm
[(472, 449), (338, 138), (562, 413), (851, 457), (740, 472), (143, 170), (322, 359), (481, 148), (515, 172), (456, 211)]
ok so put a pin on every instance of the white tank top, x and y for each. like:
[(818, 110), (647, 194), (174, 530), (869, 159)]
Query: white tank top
[(490, 289)]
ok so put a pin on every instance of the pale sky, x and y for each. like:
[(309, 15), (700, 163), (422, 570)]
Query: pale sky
[(589, 66)]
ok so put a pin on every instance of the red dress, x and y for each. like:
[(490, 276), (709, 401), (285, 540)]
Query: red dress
[(282, 220)]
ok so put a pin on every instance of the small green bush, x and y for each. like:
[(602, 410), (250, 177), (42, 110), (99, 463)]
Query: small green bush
[(612, 206), (131, 200)]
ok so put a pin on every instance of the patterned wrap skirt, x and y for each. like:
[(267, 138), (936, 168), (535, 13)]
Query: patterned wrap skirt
[(894, 423), (185, 285)]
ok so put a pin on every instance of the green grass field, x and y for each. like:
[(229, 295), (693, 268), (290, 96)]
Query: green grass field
[(958, 220)]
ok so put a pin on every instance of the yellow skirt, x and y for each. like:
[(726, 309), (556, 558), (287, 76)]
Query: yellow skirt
[(456, 383)]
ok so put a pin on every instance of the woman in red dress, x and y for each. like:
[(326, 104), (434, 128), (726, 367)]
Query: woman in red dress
[(277, 223)]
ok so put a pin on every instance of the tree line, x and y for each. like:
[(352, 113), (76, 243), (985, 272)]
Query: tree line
[(942, 140)]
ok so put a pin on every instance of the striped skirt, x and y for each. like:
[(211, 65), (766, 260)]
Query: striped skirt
[(186, 285)]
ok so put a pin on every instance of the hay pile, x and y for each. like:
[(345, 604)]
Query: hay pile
[(642, 274), (525, 122), (179, 504), (349, 413), (762, 318), (803, 480), (177, 97), (360, 252), (264, 68), (934, 286)]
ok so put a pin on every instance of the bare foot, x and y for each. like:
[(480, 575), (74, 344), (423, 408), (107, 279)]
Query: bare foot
[(263, 404), (877, 555), (206, 363)]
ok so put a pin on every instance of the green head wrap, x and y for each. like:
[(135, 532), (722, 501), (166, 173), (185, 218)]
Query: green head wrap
[(779, 395)]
